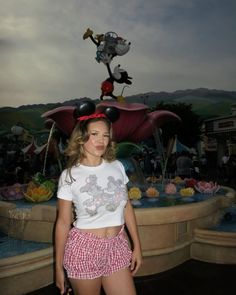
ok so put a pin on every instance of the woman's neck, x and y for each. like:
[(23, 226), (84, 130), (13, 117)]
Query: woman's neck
[(91, 162)]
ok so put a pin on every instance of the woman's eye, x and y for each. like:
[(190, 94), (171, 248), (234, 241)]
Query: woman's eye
[(97, 134)]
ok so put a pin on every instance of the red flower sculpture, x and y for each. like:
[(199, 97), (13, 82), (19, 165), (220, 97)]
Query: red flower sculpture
[(134, 124), (190, 182)]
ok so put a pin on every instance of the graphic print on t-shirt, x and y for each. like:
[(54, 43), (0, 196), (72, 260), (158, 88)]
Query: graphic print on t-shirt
[(110, 197)]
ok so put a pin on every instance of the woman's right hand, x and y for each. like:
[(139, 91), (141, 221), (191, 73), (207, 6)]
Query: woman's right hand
[(60, 280)]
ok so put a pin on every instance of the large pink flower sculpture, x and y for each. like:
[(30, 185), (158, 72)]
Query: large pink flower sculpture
[(134, 124)]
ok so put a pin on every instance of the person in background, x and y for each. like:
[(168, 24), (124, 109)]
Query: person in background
[(94, 251), (225, 167), (196, 167), (232, 170), (203, 165), (184, 165)]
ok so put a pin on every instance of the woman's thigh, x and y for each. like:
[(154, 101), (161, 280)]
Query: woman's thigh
[(86, 287), (120, 282)]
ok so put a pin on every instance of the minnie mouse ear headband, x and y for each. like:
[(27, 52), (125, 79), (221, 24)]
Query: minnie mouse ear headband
[(86, 110)]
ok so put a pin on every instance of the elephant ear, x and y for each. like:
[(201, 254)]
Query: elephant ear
[(112, 113), (84, 108)]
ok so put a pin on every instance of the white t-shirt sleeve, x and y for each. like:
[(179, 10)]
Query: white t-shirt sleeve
[(126, 179), (64, 187)]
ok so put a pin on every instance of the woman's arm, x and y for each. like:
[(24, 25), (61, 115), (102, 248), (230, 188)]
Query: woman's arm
[(63, 225), (131, 224)]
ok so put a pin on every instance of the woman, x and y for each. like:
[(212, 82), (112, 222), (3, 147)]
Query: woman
[(95, 252)]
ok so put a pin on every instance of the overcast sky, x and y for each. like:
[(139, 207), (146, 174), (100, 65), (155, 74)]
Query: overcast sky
[(175, 44)]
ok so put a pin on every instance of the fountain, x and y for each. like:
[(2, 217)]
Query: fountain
[(172, 230)]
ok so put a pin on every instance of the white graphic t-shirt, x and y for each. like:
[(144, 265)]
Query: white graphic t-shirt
[(99, 194)]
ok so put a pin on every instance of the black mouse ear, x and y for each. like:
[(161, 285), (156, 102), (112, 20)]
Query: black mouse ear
[(84, 108), (112, 114)]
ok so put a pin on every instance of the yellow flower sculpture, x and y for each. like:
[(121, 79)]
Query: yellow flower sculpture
[(135, 193), (177, 180), (38, 193), (187, 192), (152, 179)]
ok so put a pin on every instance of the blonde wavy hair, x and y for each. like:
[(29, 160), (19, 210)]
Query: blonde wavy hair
[(75, 149)]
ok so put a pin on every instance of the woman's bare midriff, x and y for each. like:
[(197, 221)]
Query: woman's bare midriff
[(104, 232)]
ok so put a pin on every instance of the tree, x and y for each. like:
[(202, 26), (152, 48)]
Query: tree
[(189, 130)]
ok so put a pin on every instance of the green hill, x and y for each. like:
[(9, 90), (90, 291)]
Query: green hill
[(206, 103), (28, 117)]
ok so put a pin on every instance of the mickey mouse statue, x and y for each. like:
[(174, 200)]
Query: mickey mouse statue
[(108, 46), (120, 76)]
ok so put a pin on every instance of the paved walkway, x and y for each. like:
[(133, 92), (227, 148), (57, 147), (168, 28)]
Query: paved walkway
[(190, 278)]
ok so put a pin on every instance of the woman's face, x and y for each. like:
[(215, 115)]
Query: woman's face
[(99, 137)]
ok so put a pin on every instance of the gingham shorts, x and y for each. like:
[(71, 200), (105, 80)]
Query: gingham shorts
[(88, 256)]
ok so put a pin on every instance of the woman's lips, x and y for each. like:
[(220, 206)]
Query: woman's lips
[(100, 147)]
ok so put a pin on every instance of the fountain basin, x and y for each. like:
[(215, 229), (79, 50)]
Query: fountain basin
[(28, 221), (27, 272), (168, 233), (217, 244), (23, 222)]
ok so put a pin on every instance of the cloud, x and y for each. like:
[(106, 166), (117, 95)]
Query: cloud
[(175, 44)]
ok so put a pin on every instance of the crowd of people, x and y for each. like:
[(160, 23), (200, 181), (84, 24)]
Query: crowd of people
[(227, 169), (187, 165), (17, 167), (183, 164)]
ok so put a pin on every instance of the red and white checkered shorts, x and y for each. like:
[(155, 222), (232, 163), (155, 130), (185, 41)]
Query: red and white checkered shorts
[(88, 256)]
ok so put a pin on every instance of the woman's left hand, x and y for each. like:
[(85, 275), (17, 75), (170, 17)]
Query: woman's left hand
[(136, 260)]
